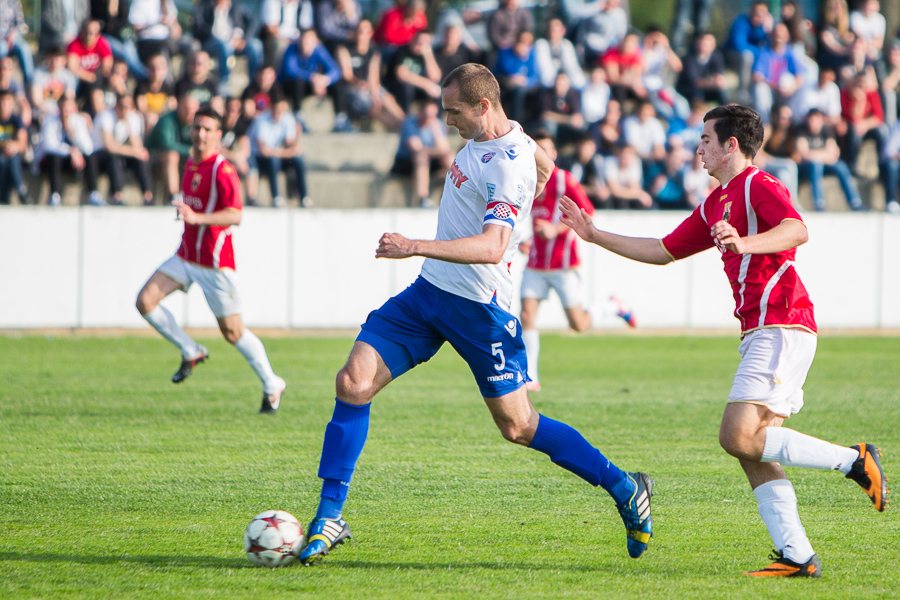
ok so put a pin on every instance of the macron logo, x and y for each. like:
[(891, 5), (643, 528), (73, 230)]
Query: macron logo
[(512, 154), (456, 176)]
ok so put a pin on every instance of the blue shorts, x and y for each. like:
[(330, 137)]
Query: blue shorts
[(412, 326)]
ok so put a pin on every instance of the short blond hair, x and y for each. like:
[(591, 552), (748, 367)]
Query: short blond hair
[(474, 82)]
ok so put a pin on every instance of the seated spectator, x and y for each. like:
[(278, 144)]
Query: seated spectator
[(225, 29), (661, 65), (555, 54), (689, 130), (13, 86), (516, 72), (450, 17), (119, 143), (13, 28), (13, 142), (748, 35), (423, 150), (413, 73), (274, 147), (887, 70), (644, 132), (625, 178), (868, 24), (778, 153), (597, 32), (825, 95), (60, 23), (197, 81), (114, 85), (693, 15), (666, 181), (113, 15), (858, 63), (170, 141), (361, 95), (861, 109), (450, 51), (819, 156), (399, 24), (235, 144), (586, 166), (282, 22), (777, 74), (560, 111), (336, 22), (698, 184), (52, 81), (65, 144), (507, 22), (89, 57), (155, 96), (703, 75), (890, 169), (608, 133), (156, 28), (625, 68), (834, 35), (307, 68), (595, 97), (260, 89)]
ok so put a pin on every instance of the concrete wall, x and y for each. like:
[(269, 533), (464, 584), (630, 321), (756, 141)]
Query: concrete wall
[(83, 266)]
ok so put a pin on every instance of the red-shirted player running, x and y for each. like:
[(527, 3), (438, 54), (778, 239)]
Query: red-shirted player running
[(750, 219), (553, 263), (212, 205)]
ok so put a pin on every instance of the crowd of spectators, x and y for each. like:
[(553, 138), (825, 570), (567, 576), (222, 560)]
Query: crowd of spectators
[(625, 107)]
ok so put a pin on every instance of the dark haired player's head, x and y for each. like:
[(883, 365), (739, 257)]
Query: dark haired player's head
[(206, 110), (738, 122), (474, 82), (541, 135)]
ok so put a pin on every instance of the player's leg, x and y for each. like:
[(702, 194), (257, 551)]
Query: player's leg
[(148, 304), (535, 288), (520, 423), (253, 350)]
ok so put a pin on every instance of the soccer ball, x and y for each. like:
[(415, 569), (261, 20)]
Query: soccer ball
[(273, 539)]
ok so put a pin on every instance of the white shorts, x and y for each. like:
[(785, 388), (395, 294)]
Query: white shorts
[(774, 364), (220, 286), (567, 283)]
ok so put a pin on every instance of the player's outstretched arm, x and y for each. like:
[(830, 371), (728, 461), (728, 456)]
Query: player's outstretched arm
[(784, 236), (486, 248), (645, 250)]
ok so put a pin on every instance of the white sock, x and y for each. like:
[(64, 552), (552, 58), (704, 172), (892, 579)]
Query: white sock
[(164, 322), (253, 350), (532, 339), (778, 509), (794, 449), (602, 310)]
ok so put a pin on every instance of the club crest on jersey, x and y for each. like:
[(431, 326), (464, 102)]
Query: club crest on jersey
[(502, 211), (195, 181), (486, 158), (456, 175), (512, 153)]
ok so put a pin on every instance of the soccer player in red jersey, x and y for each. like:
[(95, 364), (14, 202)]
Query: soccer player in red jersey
[(553, 263), (211, 206), (749, 218)]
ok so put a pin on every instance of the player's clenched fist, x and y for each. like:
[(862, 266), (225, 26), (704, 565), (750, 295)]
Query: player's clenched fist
[(393, 245), (727, 235)]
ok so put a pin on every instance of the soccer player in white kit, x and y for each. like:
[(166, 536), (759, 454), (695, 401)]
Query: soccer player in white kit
[(463, 296), (749, 218), (211, 206)]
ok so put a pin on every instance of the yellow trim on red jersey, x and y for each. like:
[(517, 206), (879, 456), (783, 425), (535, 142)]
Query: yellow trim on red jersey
[(669, 254)]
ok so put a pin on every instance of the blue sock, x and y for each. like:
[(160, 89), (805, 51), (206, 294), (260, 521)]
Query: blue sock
[(568, 449), (345, 437)]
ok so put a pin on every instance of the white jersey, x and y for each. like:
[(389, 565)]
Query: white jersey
[(490, 183)]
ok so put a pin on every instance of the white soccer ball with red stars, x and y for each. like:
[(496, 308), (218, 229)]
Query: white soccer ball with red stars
[(273, 539)]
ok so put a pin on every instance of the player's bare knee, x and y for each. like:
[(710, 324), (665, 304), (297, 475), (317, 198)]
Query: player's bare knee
[(350, 389), (517, 433), (737, 443), (144, 304)]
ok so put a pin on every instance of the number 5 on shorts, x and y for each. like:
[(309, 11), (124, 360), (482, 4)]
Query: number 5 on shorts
[(497, 348)]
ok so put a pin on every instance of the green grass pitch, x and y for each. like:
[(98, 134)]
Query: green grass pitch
[(114, 483)]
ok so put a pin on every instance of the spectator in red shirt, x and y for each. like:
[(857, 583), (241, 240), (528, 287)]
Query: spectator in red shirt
[(862, 110), (399, 24), (625, 68), (89, 56)]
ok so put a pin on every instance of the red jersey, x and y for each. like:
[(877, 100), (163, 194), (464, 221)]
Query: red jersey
[(562, 251), (767, 290), (90, 59), (209, 186)]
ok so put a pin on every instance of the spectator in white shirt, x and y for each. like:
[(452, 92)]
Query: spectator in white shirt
[(870, 25), (555, 54), (118, 142), (65, 144), (645, 133)]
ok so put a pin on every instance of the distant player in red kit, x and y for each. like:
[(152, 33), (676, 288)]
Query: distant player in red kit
[(751, 221), (212, 205), (553, 264)]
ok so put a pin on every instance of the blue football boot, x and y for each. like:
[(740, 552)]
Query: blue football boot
[(635, 514), (323, 536)]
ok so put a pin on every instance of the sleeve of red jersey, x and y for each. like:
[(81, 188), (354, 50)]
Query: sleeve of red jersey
[(577, 193), (689, 238), (771, 200), (229, 188)]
